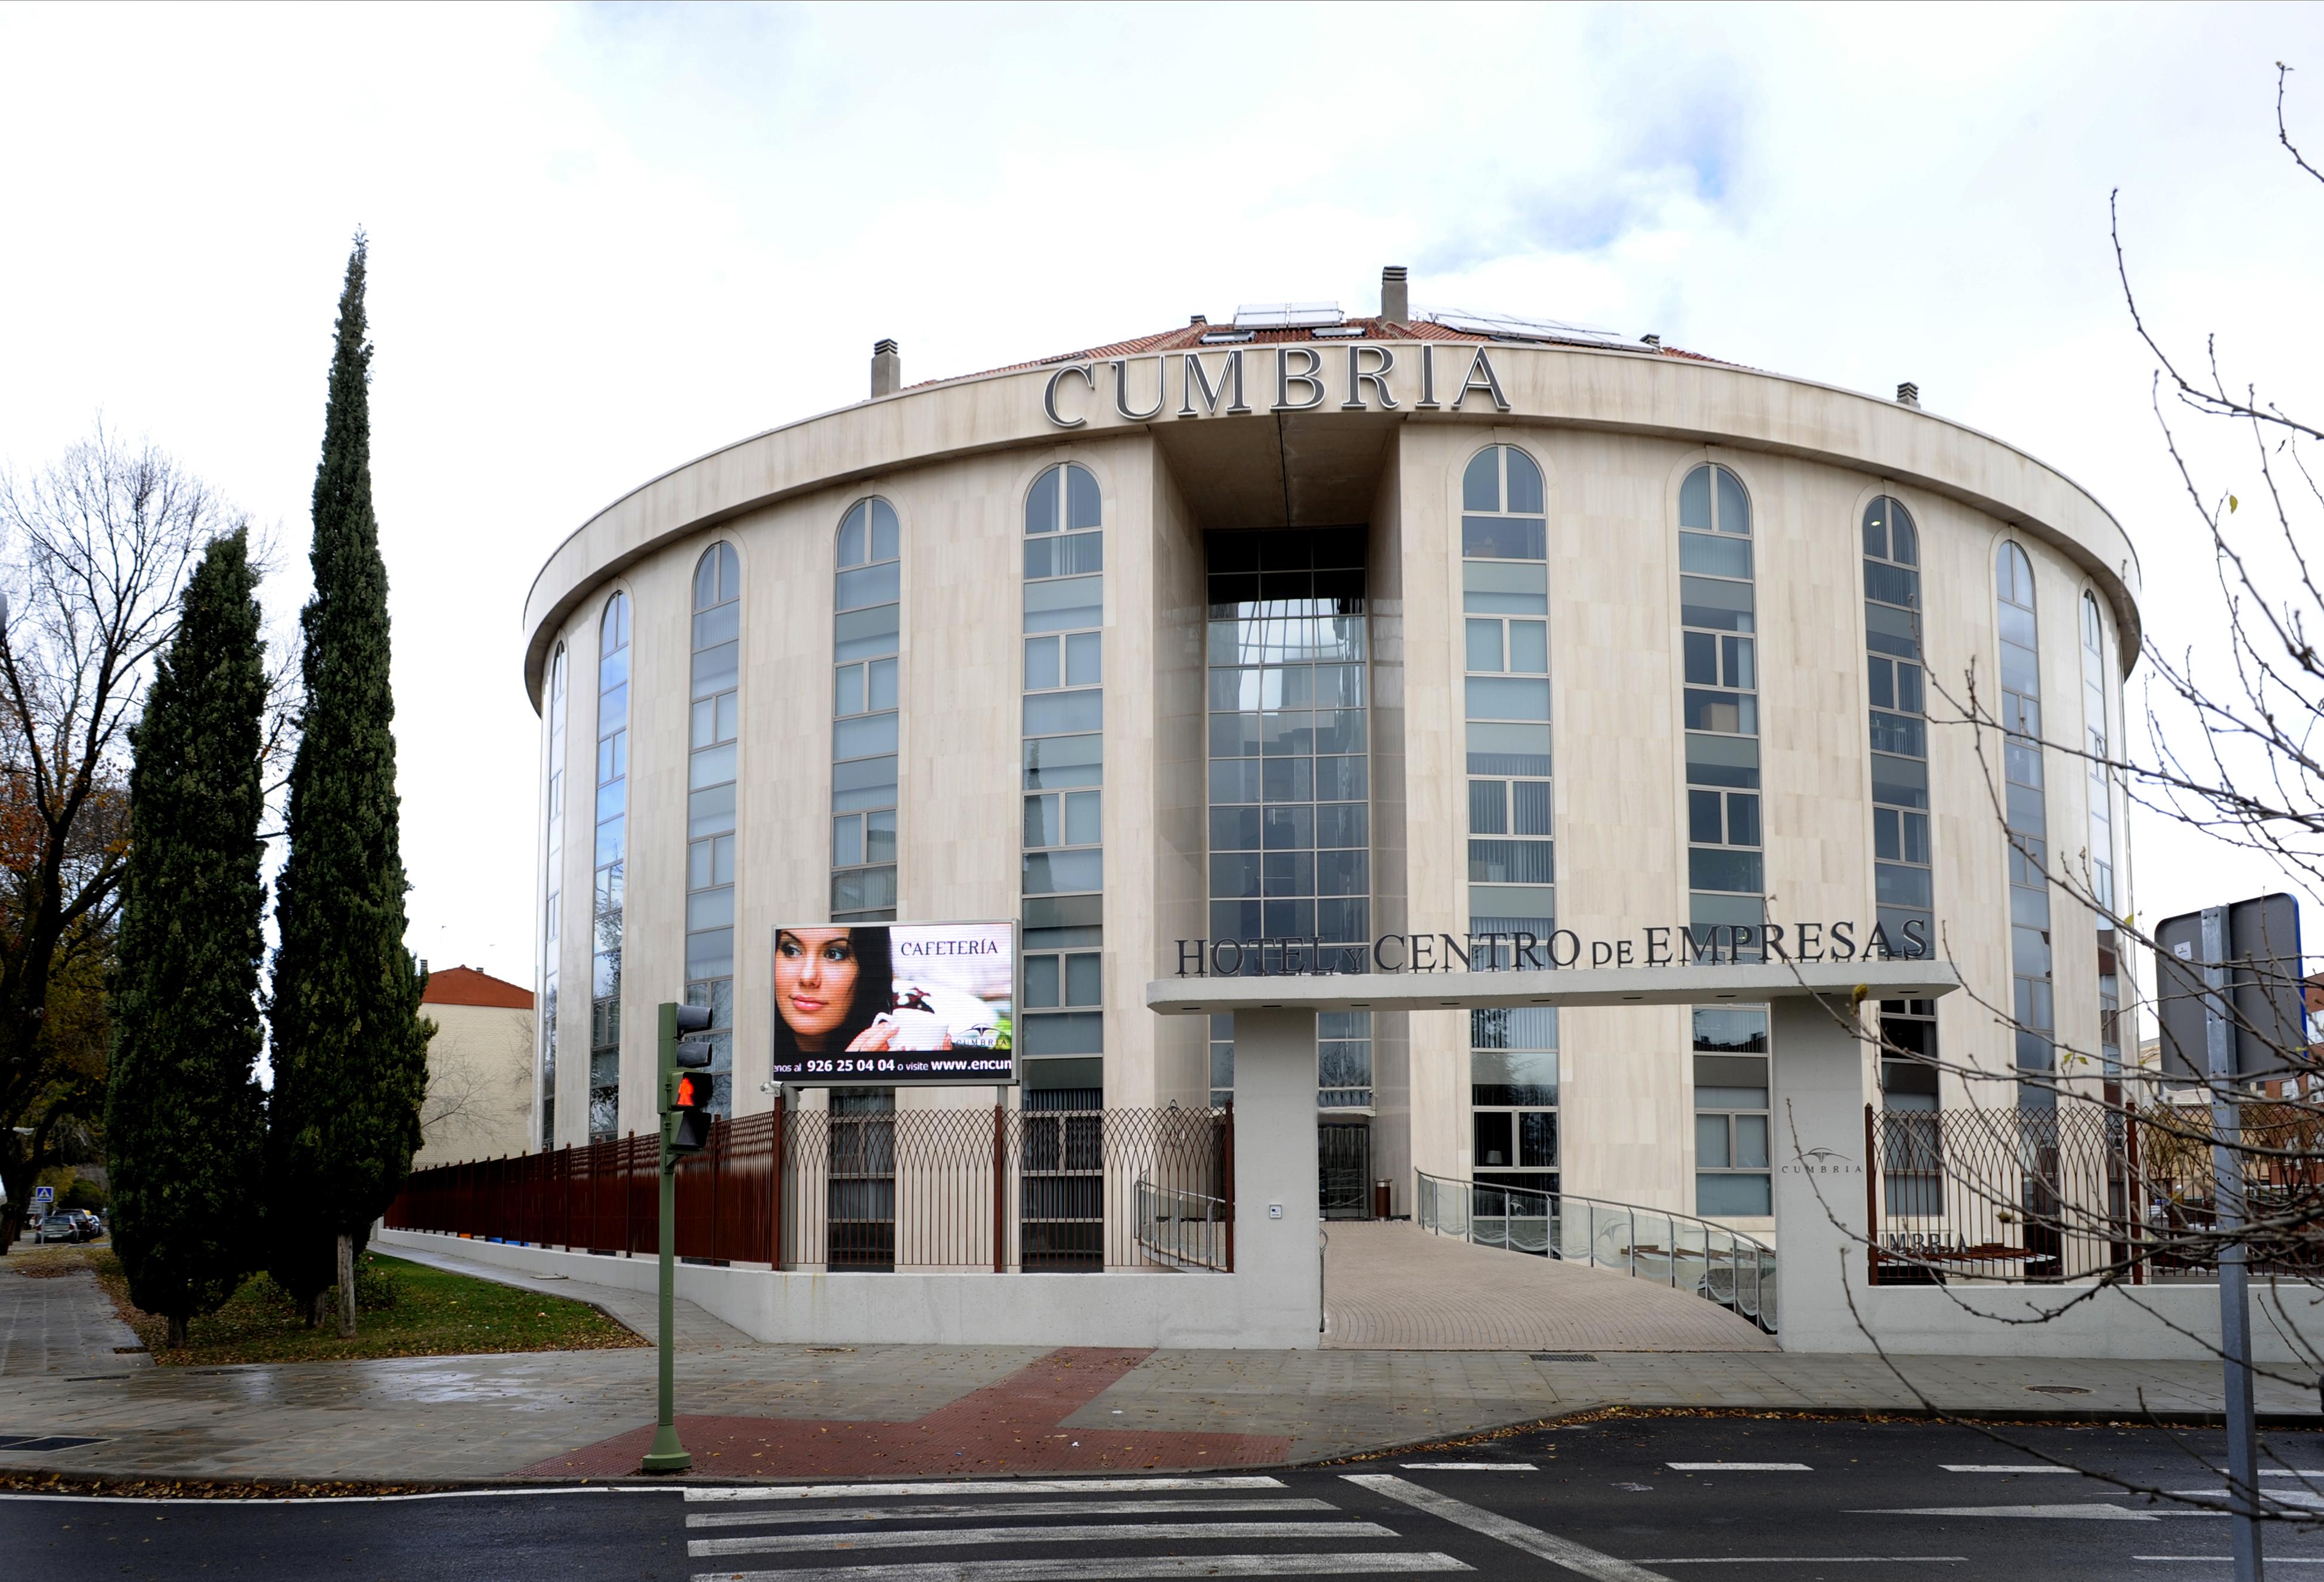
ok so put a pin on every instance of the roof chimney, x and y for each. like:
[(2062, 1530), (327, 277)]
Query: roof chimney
[(1653, 343), (1195, 319), (1396, 299), (886, 368), (1908, 394)]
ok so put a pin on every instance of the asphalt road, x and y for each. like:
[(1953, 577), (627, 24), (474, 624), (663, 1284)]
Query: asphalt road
[(1621, 1501)]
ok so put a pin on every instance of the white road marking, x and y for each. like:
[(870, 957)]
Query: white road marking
[(2290, 1472), (1739, 1466), (2025, 1466), (1007, 1485), (1105, 1570), (2090, 1513), (1816, 1560), (2302, 1499), (1020, 1508), (1470, 1467), (2230, 1559), (1533, 1541), (1077, 1532)]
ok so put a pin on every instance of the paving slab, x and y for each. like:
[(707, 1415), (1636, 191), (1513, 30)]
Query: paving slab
[(755, 1410)]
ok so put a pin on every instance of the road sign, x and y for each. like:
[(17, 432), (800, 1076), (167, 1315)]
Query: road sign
[(44, 1194), (2262, 1002)]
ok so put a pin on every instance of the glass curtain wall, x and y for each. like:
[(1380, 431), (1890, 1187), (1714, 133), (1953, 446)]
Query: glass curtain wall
[(2028, 827), (1290, 784), (867, 590), (1062, 875), (552, 932), (714, 742), (1512, 856), (2098, 741), (605, 904), (1717, 606), (1903, 887)]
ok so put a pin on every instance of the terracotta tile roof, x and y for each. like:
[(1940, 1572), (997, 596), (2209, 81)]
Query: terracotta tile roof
[(464, 985), (1189, 338)]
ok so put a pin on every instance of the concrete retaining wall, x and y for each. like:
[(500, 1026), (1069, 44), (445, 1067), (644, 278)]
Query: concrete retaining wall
[(2143, 1322)]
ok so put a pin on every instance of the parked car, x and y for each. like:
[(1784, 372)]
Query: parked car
[(60, 1228), (92, 1226)]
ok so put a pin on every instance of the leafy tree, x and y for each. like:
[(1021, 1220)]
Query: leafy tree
[(350, 1047), (184, 1118), (96, 550)]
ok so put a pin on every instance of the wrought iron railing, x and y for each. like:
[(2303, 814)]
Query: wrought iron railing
[(988, 1188), (1677, 1250)]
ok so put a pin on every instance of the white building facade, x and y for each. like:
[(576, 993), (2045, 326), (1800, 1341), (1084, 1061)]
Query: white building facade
[(1370, 642)]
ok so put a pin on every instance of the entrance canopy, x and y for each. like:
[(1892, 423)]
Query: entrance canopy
[(1573, 985)]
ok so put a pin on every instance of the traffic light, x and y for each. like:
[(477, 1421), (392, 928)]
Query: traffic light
[(686, 1090)]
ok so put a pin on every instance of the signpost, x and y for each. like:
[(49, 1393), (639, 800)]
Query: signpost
[(686, 1094), (2228, 982)]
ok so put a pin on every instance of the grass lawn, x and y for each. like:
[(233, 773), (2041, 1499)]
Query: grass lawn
[(409, 1310)]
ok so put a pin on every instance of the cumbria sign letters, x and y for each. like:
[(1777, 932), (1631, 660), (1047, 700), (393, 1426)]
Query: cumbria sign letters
[(1678, 945), (1303, 378)]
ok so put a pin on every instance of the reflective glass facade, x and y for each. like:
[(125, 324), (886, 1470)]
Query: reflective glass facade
[(551, 933), (714, 743), (867, 604), (612, 843), (2028, 827)]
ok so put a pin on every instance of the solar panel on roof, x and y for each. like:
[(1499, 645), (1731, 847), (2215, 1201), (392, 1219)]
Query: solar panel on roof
[(1339, 332), (1509, 327), (1225, 336), (1286, 315)]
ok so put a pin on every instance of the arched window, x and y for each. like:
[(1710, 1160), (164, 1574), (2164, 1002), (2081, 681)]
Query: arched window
[(606, 906), (1063, 874), (553, 887), (714, 743), (1726, 873), (1511, 851), (2028, 825), (1903, 892), (2099, 740), (867, 594)]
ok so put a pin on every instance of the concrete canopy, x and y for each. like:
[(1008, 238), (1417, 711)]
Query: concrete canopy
[(1607, 985)]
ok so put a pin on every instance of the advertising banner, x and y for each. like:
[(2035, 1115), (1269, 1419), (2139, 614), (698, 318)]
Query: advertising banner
[(895, 1003)]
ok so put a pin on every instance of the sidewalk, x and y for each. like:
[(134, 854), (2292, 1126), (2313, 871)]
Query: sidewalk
[(811, 1412)]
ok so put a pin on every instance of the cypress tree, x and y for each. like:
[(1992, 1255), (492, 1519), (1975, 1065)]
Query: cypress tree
[(350, 1047), (184, 1118)]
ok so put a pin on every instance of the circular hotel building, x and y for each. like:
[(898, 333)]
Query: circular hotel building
[(1307, 642)]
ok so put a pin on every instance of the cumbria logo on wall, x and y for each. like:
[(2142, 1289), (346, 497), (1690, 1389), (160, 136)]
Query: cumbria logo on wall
[(1303, 378), (1679, 945)]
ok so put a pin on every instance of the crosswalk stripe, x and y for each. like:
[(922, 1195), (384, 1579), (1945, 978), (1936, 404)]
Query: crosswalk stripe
[(1004, 1486), (1111, 1570), (1075, 1533), (1573, 1557), (1813, 1560), (1021, 1508)]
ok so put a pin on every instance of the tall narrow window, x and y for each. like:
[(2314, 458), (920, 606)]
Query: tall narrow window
[(605, 907), (2028, 826), (867, 600), (713, 732), (1726, 874), (2098, 742), (1731, 1176), (1903, 892), (551, 907), (1063, 874), (1511, 854)]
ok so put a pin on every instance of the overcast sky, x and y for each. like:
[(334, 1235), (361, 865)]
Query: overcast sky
[(605, 241)]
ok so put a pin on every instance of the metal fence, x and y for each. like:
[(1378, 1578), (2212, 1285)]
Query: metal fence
[(1677, 1250), (2082, 1191), (990, 1189)]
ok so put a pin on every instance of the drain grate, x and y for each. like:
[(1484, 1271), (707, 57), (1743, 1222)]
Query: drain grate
[(14, 1444), (1563, 1357), (2057, 1388)]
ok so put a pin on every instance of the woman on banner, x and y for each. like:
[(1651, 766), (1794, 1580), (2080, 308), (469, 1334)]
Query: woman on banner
[(833, 988)]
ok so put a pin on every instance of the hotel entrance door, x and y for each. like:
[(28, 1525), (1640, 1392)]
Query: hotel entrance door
[(1343, 1157)]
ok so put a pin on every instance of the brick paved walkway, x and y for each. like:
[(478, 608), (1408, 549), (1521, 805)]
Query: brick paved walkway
[(1389, 1285), (1018, 1424)]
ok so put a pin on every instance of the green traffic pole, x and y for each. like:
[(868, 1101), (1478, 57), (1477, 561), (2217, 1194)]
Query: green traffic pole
[(668, 1454)]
